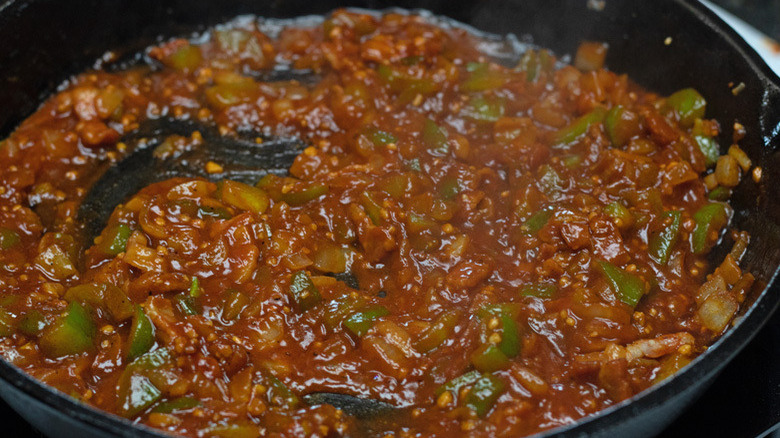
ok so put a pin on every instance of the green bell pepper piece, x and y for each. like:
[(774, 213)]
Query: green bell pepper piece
[(484, 394), (372, 207), (621, 124), (105, 296), (454, 386), (628, 287), (204, 212), (185, 304), (303, 292), (186, 58), (176, 405), (141, 337), (142, 395), (7, 323), (578, 127), (488, 357), (138, 387), (482, 78), (379, 137), (280, 395), (507, 329), (663, 242), (484, 108), (539, 290), (73, 332), (114, 240), (435, 138), (719, 194), (195, 289), (688, 104), (437, 333), (8, 238), (709, 218), (536, 221), (360, 322), (243, 196), (300, 196), (32, 323)]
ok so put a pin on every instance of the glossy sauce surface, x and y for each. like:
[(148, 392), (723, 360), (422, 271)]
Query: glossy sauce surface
[(496, 249)]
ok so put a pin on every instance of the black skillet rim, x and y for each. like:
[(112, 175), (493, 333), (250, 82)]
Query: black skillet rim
[(704, 367)]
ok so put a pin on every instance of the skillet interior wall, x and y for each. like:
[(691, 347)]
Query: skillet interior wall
[(45, 41)]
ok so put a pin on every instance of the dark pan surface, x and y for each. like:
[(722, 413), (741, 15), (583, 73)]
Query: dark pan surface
[(44, 41)]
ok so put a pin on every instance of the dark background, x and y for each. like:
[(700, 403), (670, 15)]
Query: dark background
[(744, 401)]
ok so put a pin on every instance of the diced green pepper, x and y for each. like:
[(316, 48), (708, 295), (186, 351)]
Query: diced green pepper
[(707, 145), (454, 386), (280, 395), (379, 137), (620, 214), (437, 333), (139, 384), (303, 292), (186, 58), (300, 196), (360, 322), (406, 84), (114, 240), (141, 337), (484, 394), (435, 138), (185, 304), (105, 296), (507, 330), (372, 207), (32, 323), (243, 196), (709, 148), (539, 290), (8, 238), (688, 104), (7, 323), (72, 333), (662, 243), (720, 194), (235, 302), (225, 95), (195, 289), (484, 108), (331, 258), (533, 224), (578, 127), (529, 63), (482, 78), (141, 395), (710, 219), (449, 188), (338, 310), (233, 431), (621, 124), (204, 212), (488, 357), (418, 222), (628, 287), (176, 405)]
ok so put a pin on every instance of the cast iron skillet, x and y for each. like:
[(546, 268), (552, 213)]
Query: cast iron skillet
[(663, 45)]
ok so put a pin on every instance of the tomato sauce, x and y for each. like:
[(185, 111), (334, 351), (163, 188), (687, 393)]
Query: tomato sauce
[(492, 249)]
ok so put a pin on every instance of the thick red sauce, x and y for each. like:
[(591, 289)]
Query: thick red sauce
[(534, 235)]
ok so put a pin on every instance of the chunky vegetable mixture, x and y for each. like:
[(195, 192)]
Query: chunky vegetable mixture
[(494, 248)]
